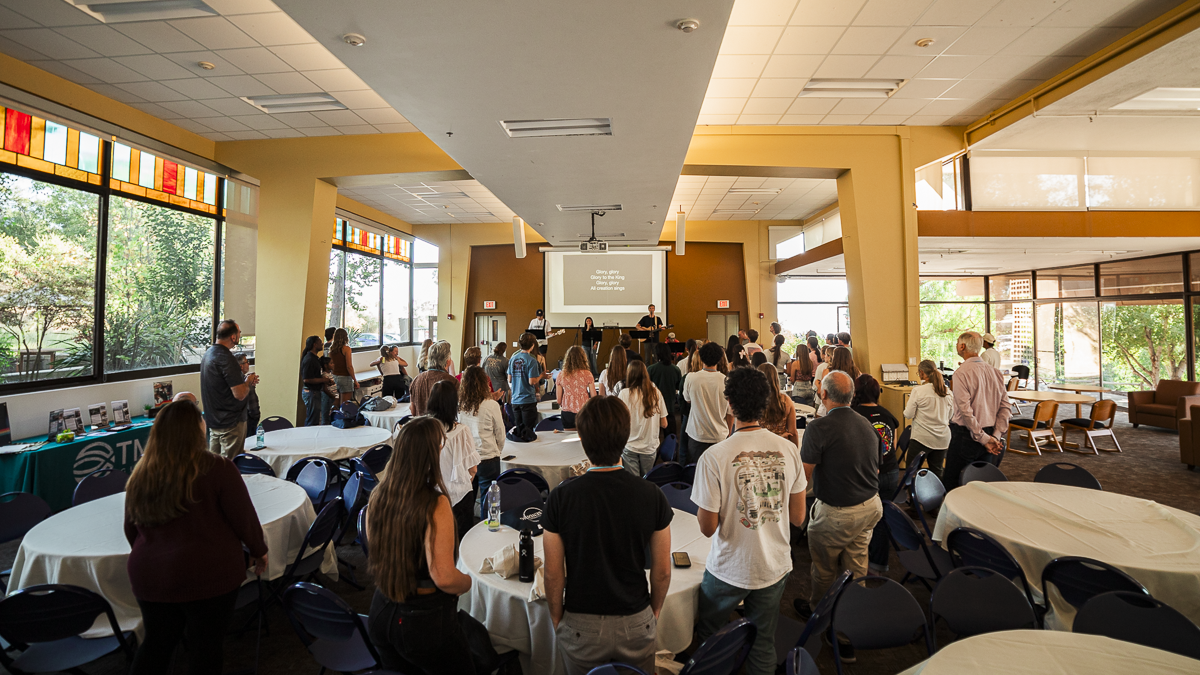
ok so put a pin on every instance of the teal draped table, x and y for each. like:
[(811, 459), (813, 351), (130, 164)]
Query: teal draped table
[(53, 470)]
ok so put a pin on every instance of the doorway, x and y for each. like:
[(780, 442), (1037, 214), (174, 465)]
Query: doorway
[(721, 326), (489, 331)]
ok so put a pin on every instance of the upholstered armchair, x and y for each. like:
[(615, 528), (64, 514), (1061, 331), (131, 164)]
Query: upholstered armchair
[(1165, 405), (1189, 437)]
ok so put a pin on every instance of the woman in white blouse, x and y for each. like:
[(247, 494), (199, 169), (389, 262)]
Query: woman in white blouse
[(479, 412), (929, 407), (459, 459)]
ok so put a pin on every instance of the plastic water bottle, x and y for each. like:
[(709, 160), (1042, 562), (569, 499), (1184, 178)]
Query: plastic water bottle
[(260, 440), (493, 507)]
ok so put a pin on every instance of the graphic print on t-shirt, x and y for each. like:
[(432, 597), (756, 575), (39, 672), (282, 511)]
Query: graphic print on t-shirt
[(761, 485)]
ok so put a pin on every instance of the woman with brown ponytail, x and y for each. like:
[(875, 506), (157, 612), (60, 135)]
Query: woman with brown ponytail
[(929, 407), (414, 622)]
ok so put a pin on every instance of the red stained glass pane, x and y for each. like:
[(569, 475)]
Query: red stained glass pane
[(170, 181), (17, 131)]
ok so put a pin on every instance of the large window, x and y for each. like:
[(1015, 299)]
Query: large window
[(108, 258), (1005, 181), (377, 291), (812, 303)]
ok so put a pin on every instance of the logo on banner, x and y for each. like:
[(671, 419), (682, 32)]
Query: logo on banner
[(93, 457)]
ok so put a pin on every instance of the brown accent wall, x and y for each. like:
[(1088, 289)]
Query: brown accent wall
[(695, 281)]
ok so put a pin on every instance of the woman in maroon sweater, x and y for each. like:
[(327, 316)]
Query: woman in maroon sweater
[(187, 515)]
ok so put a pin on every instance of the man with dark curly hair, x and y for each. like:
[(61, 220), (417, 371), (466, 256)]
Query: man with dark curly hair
[(750, 488)]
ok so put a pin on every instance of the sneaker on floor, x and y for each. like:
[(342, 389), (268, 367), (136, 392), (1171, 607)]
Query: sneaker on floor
[(802, 608), (844, 648)]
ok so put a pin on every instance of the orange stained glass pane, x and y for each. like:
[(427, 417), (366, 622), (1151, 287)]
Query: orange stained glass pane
[(73, 149), (158, 173), (37, 138), (35, 143), (170, 177), (17, 127)]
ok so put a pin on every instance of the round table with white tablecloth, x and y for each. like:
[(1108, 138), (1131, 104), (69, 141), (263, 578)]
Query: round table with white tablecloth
[(85, 546), (1038, 522), (386, 419), (515, 623), (1046, 652), (552, 455), (286, 446), (547, 409)]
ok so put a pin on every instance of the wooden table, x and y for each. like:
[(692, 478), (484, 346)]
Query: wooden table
[(1079, 389), (1038, 396)]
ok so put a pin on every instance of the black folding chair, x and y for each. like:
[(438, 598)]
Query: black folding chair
[(885, 615), (975, 600), (1138, 618), (1065, 473), (1078, 579), (249, 464), (44, 623)]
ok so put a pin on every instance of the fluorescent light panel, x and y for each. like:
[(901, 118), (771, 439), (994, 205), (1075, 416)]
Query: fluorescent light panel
[(588, 126), (754, 191), (126, 11), (589, 207), (1164, 98), (285, 103), (826, 88)]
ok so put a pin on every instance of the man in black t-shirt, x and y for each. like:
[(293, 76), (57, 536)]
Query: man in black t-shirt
[(601, 526), (650, 322)]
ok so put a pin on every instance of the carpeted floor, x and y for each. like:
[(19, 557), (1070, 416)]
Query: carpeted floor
[(1148, 468)]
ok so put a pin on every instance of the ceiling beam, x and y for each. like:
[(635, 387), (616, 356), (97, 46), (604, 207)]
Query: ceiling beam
[(1057, 224), (825, 251), (1162, 30)]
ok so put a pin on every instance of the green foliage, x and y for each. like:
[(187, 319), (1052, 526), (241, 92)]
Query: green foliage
[(941, 324), (1143, 343)]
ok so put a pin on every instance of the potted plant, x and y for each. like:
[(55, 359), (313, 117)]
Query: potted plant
[(151, 411)]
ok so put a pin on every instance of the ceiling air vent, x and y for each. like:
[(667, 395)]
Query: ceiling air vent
[(287, 103), (823, 88), (142, 10), (589, 207), (588, 126)]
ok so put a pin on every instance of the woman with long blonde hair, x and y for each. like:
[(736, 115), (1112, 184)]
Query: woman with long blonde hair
[(414, 622), (612, 378), (780, 415), (929, 407), (187, 516), (647, 417), (574, 385)]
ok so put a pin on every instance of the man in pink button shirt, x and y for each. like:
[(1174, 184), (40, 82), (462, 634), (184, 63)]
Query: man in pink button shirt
[(981, 411)]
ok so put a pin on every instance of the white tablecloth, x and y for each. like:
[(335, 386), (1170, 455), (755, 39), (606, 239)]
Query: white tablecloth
[(514, 622), (388, 418), (546, 409), (86, 546), (1045, 652), (551, 455), (1037, 522), (286, 446)]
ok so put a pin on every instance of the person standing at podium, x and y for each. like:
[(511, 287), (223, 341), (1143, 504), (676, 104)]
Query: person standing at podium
[(650, 322)]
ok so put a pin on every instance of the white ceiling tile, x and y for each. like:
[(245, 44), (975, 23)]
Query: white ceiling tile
[(51, 13), (242, 85), (230, 106), (946, 106), (1005, 67), (1087, 13), (779, 88), (812, 106), (984, 40), (856, 106), (190, 61), (922, 88), (67, 72), (890, 12), (980, 108), (248, 135), (190, 109), (11, 19), (739, 65), (106, 70), (358, 129), (381, 116), (767, 106), (299, 120), (20, 51), (320, 131), (762, 13), (307, 57), (791, 66), (154, 109), (153, 91), (195, 87), (256, 60), (899, 67), (361, 99), (159, 37), (1038, 41), (339, 79), (867, 40), (730, 87), (886, 120), (826, 12), (233, 7), (956, 67), (955, 12), (272, 29), (942, 36), (225, 124), (50, 43), (216, 136), (116, 93), (716, 119), (809, 39), (103, 40), (193, 126), (1013, 88), (153, 66), (750, 39), (973, 89), (843, 119), (1048, 67), (1020, 12), (901, 106), (214, 33), (927, 120), (845, 66), (288, 83), (261, 122), (722, 106), (339, 118), (282, 133)]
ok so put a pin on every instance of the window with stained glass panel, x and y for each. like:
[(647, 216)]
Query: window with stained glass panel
[(43, 145), (141, 173)]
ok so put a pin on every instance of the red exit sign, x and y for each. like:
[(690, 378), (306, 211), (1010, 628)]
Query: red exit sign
[(489, 304), (722, 304)]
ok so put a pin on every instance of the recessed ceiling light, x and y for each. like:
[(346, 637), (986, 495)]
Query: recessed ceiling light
[(825, 88), (354, 39), (285, 103), (589, 126), (1164, 98), (924, 42), (205, 65), (142, 10)]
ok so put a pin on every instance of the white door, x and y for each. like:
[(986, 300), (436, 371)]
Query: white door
[(489, 330)]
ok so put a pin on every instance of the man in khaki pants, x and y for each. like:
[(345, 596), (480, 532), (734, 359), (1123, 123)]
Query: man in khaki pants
[(224, 389), (840, 452)]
